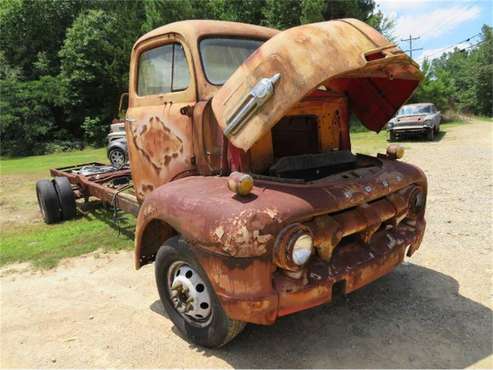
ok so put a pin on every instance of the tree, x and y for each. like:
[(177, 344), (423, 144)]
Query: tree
[(462, 79), (161, 12), (312, 11), (282, 14), (31, 27), (94, 67)]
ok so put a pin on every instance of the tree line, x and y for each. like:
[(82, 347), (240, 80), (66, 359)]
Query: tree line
[(461, 80), (64, 64)]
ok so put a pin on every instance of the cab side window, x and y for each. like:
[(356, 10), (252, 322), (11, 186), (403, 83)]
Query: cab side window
[(162, 70)]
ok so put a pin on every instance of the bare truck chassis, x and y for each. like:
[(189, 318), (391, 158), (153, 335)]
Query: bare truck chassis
[(107, 186)]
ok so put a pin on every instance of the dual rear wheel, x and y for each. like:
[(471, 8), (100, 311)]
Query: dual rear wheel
[(56, 200)]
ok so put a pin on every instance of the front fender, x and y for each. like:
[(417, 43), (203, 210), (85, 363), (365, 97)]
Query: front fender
[(206, 213)]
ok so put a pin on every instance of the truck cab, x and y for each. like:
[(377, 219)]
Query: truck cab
[(252, 205)]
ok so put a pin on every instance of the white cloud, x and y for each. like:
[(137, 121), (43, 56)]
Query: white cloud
[(435, 23)]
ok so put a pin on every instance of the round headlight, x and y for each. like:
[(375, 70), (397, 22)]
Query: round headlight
[(293, 247), (416, 202), (302, 249)]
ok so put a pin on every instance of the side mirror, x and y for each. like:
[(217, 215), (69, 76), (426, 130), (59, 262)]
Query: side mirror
[(123, 106)]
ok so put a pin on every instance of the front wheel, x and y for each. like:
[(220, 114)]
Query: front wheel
[(393, 136), (430, 135), (189, 298)]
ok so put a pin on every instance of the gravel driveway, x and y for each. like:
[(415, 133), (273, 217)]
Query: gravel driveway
[(434, 311)]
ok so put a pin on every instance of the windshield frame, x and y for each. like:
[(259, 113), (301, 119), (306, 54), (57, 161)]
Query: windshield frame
[(223, 36)]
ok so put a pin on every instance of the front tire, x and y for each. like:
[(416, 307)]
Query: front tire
[(189, 298), (393, 136), (430, 135)]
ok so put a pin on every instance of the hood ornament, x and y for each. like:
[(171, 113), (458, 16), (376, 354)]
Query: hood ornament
[(257, 97)]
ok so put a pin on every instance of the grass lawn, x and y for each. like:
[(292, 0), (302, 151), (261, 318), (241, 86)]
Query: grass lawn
[(25, 238)]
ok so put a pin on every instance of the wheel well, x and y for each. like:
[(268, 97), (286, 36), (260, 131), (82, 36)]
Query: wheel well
[(155, 234)]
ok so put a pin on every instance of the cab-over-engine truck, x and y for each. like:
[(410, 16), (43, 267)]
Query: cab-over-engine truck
[(248, 198)]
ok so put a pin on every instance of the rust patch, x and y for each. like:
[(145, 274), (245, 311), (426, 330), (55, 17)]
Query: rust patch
[(157, 143), (242, 236)]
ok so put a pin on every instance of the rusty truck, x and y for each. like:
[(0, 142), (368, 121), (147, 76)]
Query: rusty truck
[(249, 200)]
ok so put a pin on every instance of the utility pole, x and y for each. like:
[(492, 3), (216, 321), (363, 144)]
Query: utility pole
[(410, 40)]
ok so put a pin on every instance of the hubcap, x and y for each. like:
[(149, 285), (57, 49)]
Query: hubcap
[(117, 158), (188, 292)]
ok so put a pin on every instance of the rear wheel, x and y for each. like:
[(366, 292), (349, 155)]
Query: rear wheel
[(48, 201), (189, 299), (66, 197)]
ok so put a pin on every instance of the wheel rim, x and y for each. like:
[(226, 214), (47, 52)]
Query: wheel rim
[(188, 293), (117, 158)]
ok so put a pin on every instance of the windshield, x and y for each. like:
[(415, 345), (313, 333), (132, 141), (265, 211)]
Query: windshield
[(414, 109), (222, 56)]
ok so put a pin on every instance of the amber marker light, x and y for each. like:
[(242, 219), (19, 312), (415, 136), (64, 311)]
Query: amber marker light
[(240, 183), (395, 151)]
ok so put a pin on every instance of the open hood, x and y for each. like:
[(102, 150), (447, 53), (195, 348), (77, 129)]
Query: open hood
[(346, 56)]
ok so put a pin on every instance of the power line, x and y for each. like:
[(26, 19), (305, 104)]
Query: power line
[(410, 40), (471, 46), (441, 51)]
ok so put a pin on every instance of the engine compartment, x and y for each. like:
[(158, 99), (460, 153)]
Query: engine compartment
[(310, 143)]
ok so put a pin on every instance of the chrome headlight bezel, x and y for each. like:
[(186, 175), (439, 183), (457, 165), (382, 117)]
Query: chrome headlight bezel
[(417, 202), (293, 247)]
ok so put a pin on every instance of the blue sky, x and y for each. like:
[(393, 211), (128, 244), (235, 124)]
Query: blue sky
[(438, 23)]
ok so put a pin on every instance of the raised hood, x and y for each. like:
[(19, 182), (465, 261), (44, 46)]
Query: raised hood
[(346, 56)]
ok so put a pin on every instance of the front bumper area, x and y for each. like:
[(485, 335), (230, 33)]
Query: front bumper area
[(238, 282), (417, 129), (353, 265)]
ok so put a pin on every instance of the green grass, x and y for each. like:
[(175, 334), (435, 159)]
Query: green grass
[(369, 142), (42, 163), (45, 245), (25, 238)]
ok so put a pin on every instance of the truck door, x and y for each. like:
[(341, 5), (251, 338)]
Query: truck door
[(159, 135)]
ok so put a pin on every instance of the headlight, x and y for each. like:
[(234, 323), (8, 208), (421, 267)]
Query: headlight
[(293, 247), (302, 249), (428, 123), (416, 202)]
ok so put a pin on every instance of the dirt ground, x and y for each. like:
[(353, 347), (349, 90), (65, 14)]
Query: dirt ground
[(433, 311)]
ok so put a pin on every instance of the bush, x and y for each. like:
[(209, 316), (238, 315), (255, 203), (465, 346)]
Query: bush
[(95, 131), (26, 122)]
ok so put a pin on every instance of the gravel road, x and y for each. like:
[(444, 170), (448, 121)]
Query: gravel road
[(433, 311)]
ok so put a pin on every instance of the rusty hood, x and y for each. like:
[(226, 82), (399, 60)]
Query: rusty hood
[(346, 56)]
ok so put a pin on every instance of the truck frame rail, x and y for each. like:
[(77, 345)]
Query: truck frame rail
[(103, 182)]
